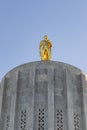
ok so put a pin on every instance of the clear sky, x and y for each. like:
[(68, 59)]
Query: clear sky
[(23, 23)]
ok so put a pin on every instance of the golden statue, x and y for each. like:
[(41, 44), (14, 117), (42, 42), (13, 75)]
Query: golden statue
[(45, 49)]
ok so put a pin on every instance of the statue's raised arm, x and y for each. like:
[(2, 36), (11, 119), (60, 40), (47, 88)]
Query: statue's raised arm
[(45, 49)]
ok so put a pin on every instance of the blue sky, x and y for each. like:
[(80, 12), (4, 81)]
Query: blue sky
[(23, 23)]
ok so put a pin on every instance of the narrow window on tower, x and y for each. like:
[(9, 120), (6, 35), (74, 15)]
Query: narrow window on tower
[(76, 121), (59, 120), (41, 119), (23, 120), (7, 122)]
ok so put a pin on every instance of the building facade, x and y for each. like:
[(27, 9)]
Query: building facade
[(44, 95)]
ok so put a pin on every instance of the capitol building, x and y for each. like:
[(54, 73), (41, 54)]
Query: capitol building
[(44, 95)]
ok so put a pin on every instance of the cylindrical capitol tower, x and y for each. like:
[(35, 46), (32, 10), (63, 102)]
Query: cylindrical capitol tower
[(44, 95)]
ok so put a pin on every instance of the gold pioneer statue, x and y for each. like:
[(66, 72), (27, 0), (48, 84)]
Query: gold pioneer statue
[(45, 49)]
